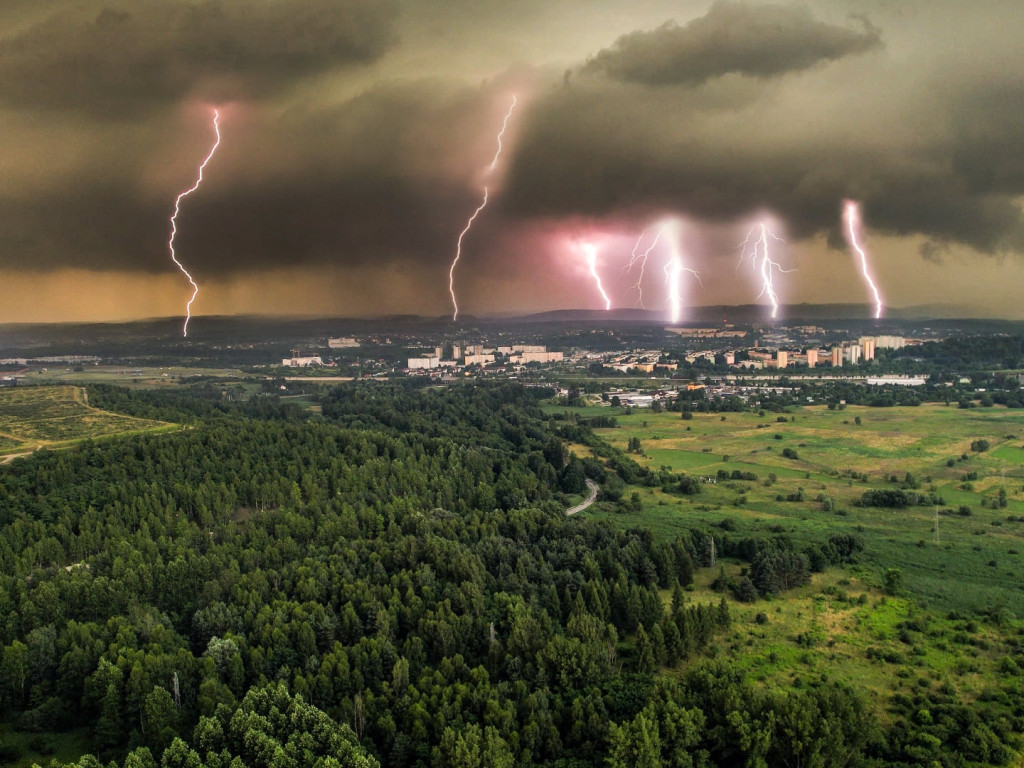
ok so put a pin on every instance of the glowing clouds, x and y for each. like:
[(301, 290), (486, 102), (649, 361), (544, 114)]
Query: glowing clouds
[(669, 231)]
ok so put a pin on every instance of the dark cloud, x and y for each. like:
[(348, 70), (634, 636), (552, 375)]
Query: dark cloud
[(756, 40), (350, 219), (606, 149), (335, 155), (129, 57), (988, 124), (388, 176)]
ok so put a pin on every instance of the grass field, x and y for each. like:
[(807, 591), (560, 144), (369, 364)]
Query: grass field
[(57, 416), (147, 377), (838, 629), (975, 560)]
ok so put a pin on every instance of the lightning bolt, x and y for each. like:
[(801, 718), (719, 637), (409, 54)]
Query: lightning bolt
[(673, 271), (483, 204), (591, 251), (501, 133), (641, 257), (851, 215), (759, 255), (174, 222)]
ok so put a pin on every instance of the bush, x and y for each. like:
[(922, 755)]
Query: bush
[(893, 582), (745, 591), (690, 485), (789, 453)]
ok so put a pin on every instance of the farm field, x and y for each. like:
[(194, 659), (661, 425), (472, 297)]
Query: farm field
[(57, 416), (972, 562)]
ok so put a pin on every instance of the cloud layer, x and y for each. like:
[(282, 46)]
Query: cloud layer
[(756, 40), (127, 58), (339, 151)]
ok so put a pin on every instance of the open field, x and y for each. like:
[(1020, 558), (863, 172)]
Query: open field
[(838, 629), (841, 628), (974, 561), (34, 417), (122, 375)]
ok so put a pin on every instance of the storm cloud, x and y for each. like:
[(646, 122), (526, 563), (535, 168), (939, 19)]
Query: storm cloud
[(756, 40), (388, 175), (357, 135), (126, 58), (933, 152)]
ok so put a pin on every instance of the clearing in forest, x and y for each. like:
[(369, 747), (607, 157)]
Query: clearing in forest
[(54, 417)]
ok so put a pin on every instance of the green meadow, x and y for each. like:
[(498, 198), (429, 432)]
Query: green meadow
[(973, 561)]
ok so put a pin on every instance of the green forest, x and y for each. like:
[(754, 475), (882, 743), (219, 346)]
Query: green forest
[(395, 583)]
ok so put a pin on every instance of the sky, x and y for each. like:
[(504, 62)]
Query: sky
[(358, 135)]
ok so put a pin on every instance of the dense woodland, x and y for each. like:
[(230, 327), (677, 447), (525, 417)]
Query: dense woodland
[(396, 583)]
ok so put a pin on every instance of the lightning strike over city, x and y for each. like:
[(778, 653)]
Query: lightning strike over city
[(760, 258), (174, 222), (851, 216), (590, 250), (674, 270), (483, 204)]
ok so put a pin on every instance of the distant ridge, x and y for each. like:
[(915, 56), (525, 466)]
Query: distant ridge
[(210, 327)]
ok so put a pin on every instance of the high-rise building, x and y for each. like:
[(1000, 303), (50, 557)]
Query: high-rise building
[(782, 359), (837, 357), (868, 345), (869, 349), (890, 342), (853, 353), (812, 358)]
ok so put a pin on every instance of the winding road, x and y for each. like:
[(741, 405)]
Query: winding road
[(591, 498)]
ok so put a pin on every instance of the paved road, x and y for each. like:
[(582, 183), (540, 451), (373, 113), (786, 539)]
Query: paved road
[(591, 498)]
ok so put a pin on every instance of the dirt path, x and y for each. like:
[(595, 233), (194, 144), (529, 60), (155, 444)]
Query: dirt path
[(591, 498)]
